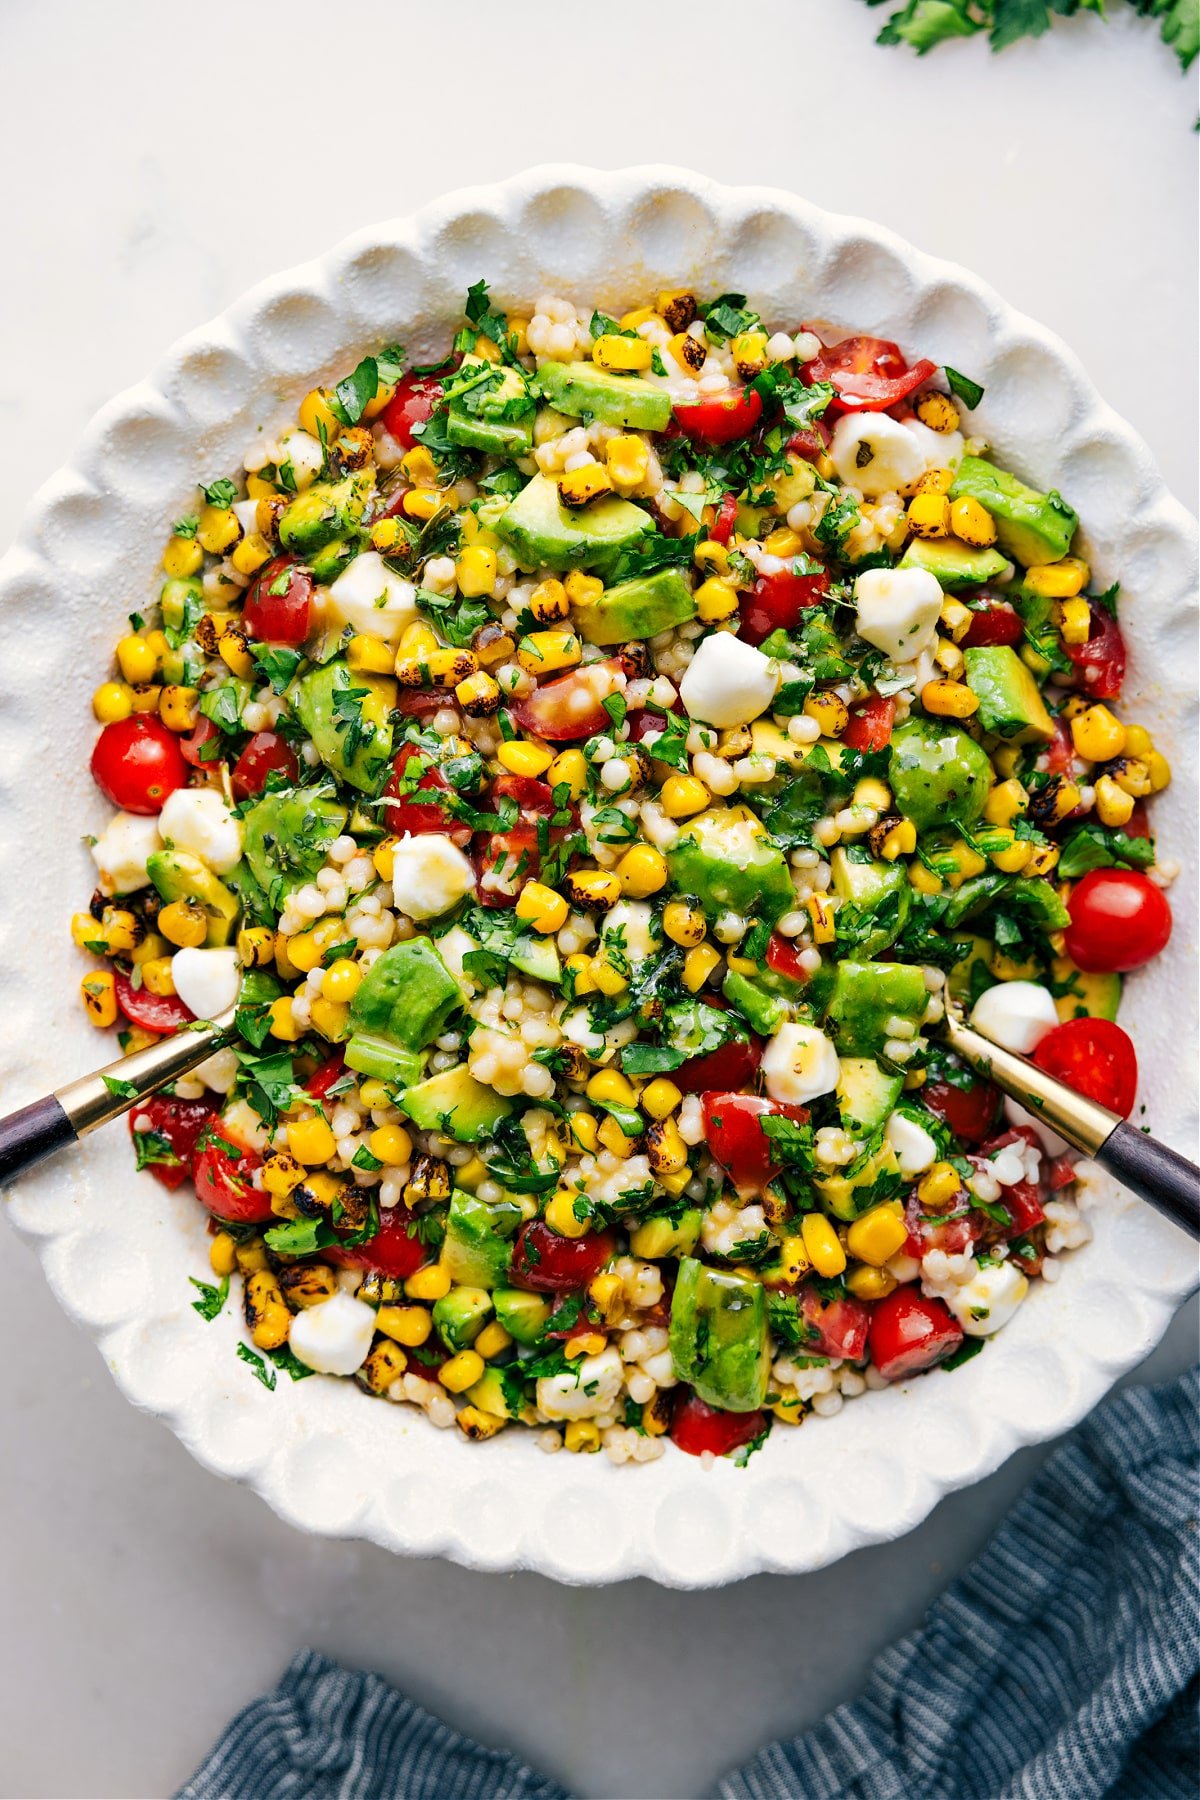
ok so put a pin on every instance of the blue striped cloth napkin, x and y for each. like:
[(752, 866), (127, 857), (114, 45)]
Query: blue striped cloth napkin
[(1065, 1665)]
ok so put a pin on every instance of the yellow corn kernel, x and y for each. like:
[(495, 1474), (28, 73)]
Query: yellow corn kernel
[(936, 481), (548, 602), (1113, 807), (476, 571), (684, 923), (311, 1141), (249, 556), (872, 792), (607, 1293), (1005, 802), (628, 461), (608, 978), (610, 1086), (716, 599), (660, 1097), (1043, 860), (157, 976), (939, 1186), (86, 933), (949, 658), (391, 1144), (369, 655), (1005, 759), (520, 757), (317, 417), (518, 335), (179, 707), (783, 542), (418, 467), (949, 699), (1013, 855), (217, 529), (304, 951), (582, 1437), (561, 1217), (611, 1137), (955, 618), (830, 711), (584, 1129), (222, 1254), (461, 1372), (1075, 621), (383, 857), (182, 556), (544, 652), (683, 795), (901, 840), (283, 1024), (181, 923), (822, 1245), (821, 913), (929, 515), (878, 1235), (1160, 771), (711, 558), (487, 349), (972, 523), (698, 965), (544, 909), (967, 862), (1098, 734), (98, 993), (1138, 741), (342, 980), (1058, 581), (145, 697), (429, 1283), (923, 879), (234, 650), (579, 967), (569, 768), (582, 590), (493, 1340), (580, 487), (331, 1018), (789, 1410), (136, 659), (112, 701), (866, 1283), (422, 503), (593, 888), (622, 355), (407, 1325), (642, 871), (120, 931), (937, 411), (1132, 776)]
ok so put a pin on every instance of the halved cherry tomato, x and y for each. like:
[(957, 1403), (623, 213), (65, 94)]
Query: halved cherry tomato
[(995, 623), (266, 754), (420, 703), (411, 404), (784, 959), (137, 763), (812, 442), (1101, 661), (278, 607), (1119, 920), (530, 795), (952, 1232), (504, 862), (194, 745), (869, 374), (728, 1069), (222, 1177), (1059, 753), (393, 1251), (720, 418), (179, 1123), (836, 1327), (417, 810), (870, 723), (551, 1264), (1138, 823), (969, 1111), (160, 1013), (722, 526), (1096, 1058), (697, 1427), (735, 1136), (642, 720), (775, 602), (327, 1076), (910, 1332), (571, 706), (1024, 1207)]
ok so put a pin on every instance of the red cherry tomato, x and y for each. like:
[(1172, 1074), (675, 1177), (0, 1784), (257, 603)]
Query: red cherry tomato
[(870, 723), (265, 754), (836, 1327), (910, 1332), (571, 706), (720, 418), (278, 607), (969, 1111), (1119, 920), (160, 1013), (1024, 1207), (995, 623), (1060, 751), (784, 959), (393, 1251), (504, 862), (421, 703), (642, 720), (1138, 823), (180, 1123), (869, 374), (223, 1183), (417, 810), (138, 764), (327, 1076), (1096, 1058), (550, 1264), (1101, 661), (722, 526), (697, 1427), (812, 442), (952, 1232), (411, 404), (733, 1129), (530, 795), (776, 602), (726, 1070), (194, 745)]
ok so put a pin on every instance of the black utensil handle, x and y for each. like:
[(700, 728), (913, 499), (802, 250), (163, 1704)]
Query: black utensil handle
[(34, 1131), (1161, 1176)]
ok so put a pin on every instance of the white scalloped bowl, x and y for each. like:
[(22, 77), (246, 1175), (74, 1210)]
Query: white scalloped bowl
[(118, 1249)]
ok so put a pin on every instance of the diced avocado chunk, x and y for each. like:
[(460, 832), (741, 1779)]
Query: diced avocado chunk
[(581, 389), (954, 564), (640, 608), (937, 774), (725, 858), (454, 1102), (718, 1336), (460, 1315), (1033, 528), (497, 415), (523, 1314), (537, 957), (1091, 995), (180, 876), (489, 1395), (870, 1000), (327, 564), (961, 977), (763, 1011), (477, 1251), (181, 598), (347, 716), (286, 835), (1010, 703), (384, 1060), (406, 996), (326, 510), (862, 1186), (254, 903), (876, 890), (543, 532), (674, 1234), (866, 1093)]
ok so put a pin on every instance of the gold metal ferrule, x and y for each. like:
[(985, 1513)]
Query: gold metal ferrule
[(90, 1102), (1083, 1123)]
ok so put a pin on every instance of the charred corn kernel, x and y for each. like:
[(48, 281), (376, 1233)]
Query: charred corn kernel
[(182, 556), (929, 515), (949, 658), (331, 1018), (251, 1255), (1005, 802), (136, 659), (476, 571), (676, 307), (749, 352), (317, 417), (684, 923), (418, 467), (384, 1364), (579, 967), (1160, 771), (1098, 734), (407, 1325), (830, 711), (698, 965), (233, 647), (580, 487), (582, 590), (610, 1085), (627, 460), (642, 871), (1043, 859), (608, 978), (435, 669), (157, 976), (1058, 581), (183, 923), (98, 992), (1052, 803), (477, 1425), (542, 907), (866, 1283), (146, 697), (462, 1371), (493, 1340), (266, 1315), (689, 352), (923, 879), (544, 652), (370, 655), (311, 1141), (659, 1098), (281, 1173), (1132, 776), (112, 701), (789, 1410), (821, 1242), (955, 618), (939, 1186), (520, 757), (1011, 857), (569, 768), (621, 355), (794, 1260), (972, 523), (429, 1283), (937, 411), (250, 554), (342, 980), (936, 481), (421, 503), (283, 1024), (391, 1144), (1072, 706), (179, 707), (222, 1254), (582, 1437), (900, 839), (878, 1235), (666, 1151), (593, 888), (562, 1217), (1113, 807), (683, 795), (711, 558), (1075, 621), (478, 695), (949, 699), (716, 599), (548, 602), (217, 529), (821, 913)]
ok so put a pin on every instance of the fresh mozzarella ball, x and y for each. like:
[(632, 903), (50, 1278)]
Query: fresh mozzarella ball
[(938, 449), (898, 610), (989, 1300), (305, 454), (206, 980), (1015, 1014), (915, 1149), (581, 1392), (728, 682), (799, 1064), (246, 514), (429, 875), (220, 1071), (1051, 1143), (452, 947), (635, 920), (875, 454), (242, 1125), (121, 850), (197, 820), (334, 1337), (371, 598)]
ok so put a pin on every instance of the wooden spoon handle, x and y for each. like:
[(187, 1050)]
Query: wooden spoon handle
[(32, 1132), (1155, 1172)]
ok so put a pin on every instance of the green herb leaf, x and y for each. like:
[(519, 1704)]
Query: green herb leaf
[(968, 391), (212, 1299), (120, 1090)]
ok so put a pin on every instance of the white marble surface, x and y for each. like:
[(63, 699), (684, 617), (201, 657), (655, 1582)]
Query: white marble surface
[(159, 162)]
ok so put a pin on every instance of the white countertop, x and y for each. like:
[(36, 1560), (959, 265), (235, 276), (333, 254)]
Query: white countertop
[(160, 162)]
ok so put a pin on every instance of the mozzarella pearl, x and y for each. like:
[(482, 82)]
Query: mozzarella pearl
[(915, 1149), (334, 1337), (197, 820), (799, 1064), (938, 449), (429, 875), (989, 1300), (1015, 1014), (583, 1392), (372, 599), (875, 454), (206, 981), (121, 850), (898, 610), (728, 682)]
